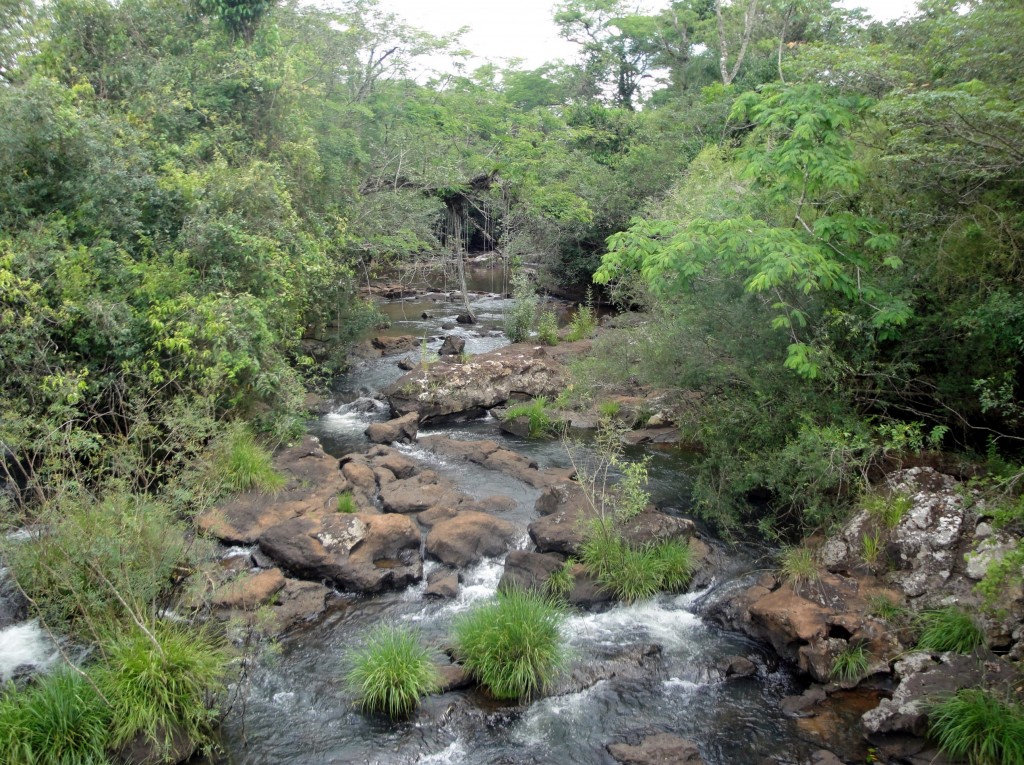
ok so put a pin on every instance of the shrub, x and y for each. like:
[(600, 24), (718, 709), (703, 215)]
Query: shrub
[(512, 644), (948, 629), (540, 423), (240, 463), (161, 681), (547, 328), (98, 557), (850, 664), (520, 316), (977, 726), (346, 504), (797, 565), (392, 672), (584, 321), (60, 720)]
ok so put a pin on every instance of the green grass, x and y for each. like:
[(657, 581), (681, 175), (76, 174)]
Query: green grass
[(677, 564), (888, 511), (948, 629), (241, 464), (584, 321), (346, 504), (165, 681), (392, 672), (871, 545), (561, 581), (633, 574), (540, 423), (883, 608), (609, 409), (547, 328), (512, 644), (850, 664), (979, 727), (798, 565), (59, 720)]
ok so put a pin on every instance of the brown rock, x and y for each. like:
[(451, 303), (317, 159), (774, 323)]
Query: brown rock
[(661, 749), (453, 677), (402, 429), (360, 475), (529, 570), (453, 345), (416, 494), (468, 538), (249, 591), (442, 585)]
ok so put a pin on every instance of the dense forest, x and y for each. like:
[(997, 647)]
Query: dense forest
[(813, 224)]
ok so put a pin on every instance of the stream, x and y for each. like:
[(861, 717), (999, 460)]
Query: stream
[(294, 707)]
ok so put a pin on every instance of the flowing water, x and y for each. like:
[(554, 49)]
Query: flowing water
[(295, 710)]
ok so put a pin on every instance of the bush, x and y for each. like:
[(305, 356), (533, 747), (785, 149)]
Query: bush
[(540, 423), (977, 726), (584, 321), (883, 608), (98, 557), (512, 645), (392, 672), (163, 681), (519, 318), (60, 720), (240, 463), (547, 328), (948, 629), (850, 664)]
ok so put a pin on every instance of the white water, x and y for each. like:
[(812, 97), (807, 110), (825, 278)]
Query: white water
[(24, 644)]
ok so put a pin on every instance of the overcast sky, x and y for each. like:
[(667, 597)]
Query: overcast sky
[(502, 29)]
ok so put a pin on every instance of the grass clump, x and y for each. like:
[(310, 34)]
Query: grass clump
[(632, 574), (850, 664), (547, 327), (888, 511), (609, 409), (160, 681), (392, 672), (60, 720), (871, 545), (561, 581), (798, 565), (977, 726), (677, 564), (584, 321), (883, 608), (241, 464), (948, 629), (535, 411), (512, 644), (346, 503)]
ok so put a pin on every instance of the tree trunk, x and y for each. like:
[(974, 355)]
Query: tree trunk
[(723, 49)]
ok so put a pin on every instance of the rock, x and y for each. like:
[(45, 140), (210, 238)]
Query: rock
[(490, 455), (528, 570), (659, 749), (406, 364), (799, 706), (360, 552), (416, 494), (587, 592), (486, 381), (448, 326), (299, 601), (13, 605), (249, 591), (624, 664), (468, 538), (159, 749), (453, 345), (453, 677), (391, 345), (737, 666), (401, 429), (824, 757), (442, 585), (465, 318), (424, 315), (398, 464), (360, 475)]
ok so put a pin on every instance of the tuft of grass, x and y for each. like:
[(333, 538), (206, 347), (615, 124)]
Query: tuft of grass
[(392, 672), (677, 564), (540, 423), (850, 664), (948, 629), (798, 565), (883, 608), (162, 681), (976, 726), (609, 409), (512, 644), (240, 463), (888, 511), (871, 546), (547, 327), (346, 504), (633, 574), (561, 582), (60, 720)]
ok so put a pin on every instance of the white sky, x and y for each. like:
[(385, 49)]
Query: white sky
[(502, 29)]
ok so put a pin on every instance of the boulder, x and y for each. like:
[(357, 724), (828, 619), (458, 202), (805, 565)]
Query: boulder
[(490, 455), (737, 666), (249, 591), (298, 602), (488, 380), (453, 677), (359, 552), (529, 570), (418, 493), (442, 584), (466, 318), (398, 464), (468, 538), (453, 345), (164, 747), (401, 429), (659, 749)]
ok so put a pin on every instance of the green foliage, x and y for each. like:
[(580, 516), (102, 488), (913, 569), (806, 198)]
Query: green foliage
[(391, 672), (584, 321), (239, 463), (535, 411), (100, 558), (871, 547), (512, 644), (948, 629), (631, 573), (346, 504), (976, 725), (547, 327), (609, 409), (677, 564), (520, 317), (561, 581), (160, 680), (883, 608), (798, 565), (850, 664), (59, 720), (888, 510)]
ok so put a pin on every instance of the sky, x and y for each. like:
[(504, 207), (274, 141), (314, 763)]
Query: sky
[(504, 29)]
